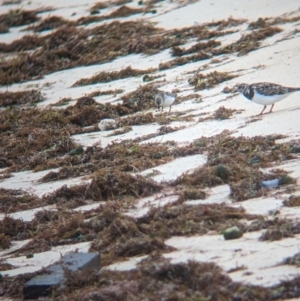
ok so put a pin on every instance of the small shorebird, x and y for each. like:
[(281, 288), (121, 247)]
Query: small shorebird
[(164, 99), (265, 93)]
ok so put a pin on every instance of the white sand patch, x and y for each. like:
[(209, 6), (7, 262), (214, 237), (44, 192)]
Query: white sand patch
[(190, 134), (142, 207), (293, 167), (27, 181), (125, 265), (207, 11), (260, 206), (267, 277), (172, 170), (216, 195), (15, 245), (276, 62), (89, 207), (27, 215), (291, 213), (103, 138), (257, 257), (41, 260)]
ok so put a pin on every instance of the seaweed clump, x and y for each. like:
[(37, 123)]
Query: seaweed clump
[(230, 162), (250, 41), (29, 137), (223, 113), (17, 200), (280, 229), (50, 23), (292, 201), (62, 49), (104, 77), (17, 18), (5, 241), (124, 11), (22, 97), (177, 51), (111, 185), (140, 99), (208, 81), (156, 278), (27, 42), (15, 229)]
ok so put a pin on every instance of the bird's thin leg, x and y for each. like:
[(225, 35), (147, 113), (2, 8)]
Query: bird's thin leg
[(262, 110), (161, 109), (272, 108), (170, 109)]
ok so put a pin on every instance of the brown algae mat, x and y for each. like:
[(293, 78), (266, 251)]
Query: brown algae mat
[(104, 77), (35, 139), (62, 48)]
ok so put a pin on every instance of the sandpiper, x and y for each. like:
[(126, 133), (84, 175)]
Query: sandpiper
[(265, 93), (164, 99)]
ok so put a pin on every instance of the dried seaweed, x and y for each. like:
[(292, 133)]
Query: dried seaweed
[(22, 97), (67, 197), (140, 99), (63, 48), (17, 200), (104, 77), (157, 279), (235, 155), (202, 55), (223, 113), (201, 46), (16, 229), (49, 23), (292, 201), (99, 5), (280, 229), (124, 11), (208, 81), (18, 17), (250, 41), (114, 184), (5, 241), (230, 22), (105, 92), (27, 42)]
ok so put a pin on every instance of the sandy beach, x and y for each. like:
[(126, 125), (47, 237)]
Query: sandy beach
[(153, 193)]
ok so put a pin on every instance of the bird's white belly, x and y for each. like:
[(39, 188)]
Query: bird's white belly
[(268, 100), (168, 101)]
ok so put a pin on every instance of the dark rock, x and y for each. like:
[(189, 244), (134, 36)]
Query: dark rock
[(232, 233), (222, 172), (77, 151), (55, 275)]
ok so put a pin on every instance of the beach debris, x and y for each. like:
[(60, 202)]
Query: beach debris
[(194, 194), (222, 172), (284, 180), (210, 80), (55, 274), (232, 233), (292, 201), (105, 77), (77, 151), (107, 124), (270, 184), (255, 160)]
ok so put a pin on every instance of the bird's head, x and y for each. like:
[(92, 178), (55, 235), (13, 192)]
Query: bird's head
[(158, 99), (241, 87)]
